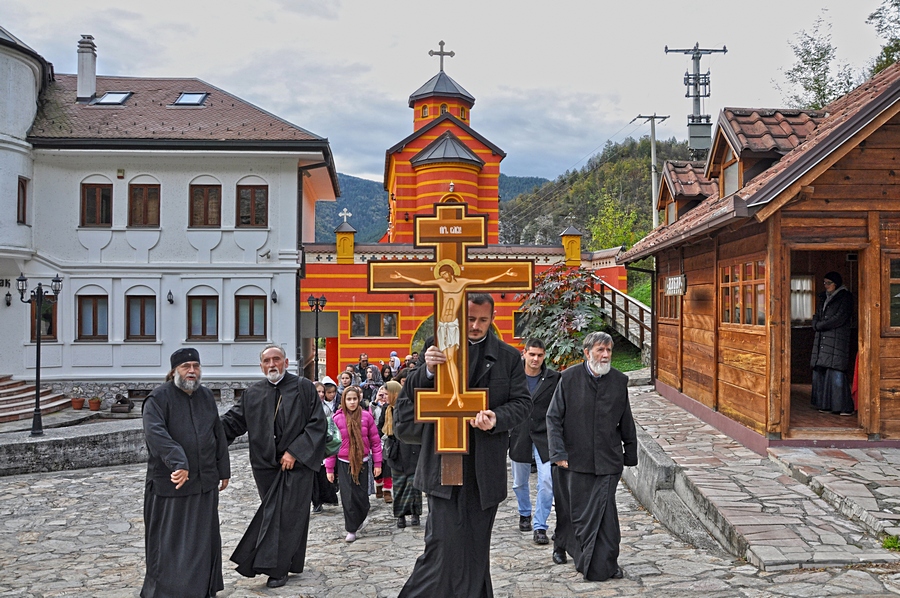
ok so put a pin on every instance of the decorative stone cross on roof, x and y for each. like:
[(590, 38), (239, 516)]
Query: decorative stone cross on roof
[(450, 275), (345, 213), (441, 53)]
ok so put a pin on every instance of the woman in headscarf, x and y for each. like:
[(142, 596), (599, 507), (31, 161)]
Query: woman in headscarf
[(359, 443), (830, 359), (371, 384), (402, 459)]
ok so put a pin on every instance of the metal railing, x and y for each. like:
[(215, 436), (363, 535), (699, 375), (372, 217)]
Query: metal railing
[(630, 318)]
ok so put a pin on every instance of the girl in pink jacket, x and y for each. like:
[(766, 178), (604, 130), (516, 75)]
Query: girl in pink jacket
[(360, 442)]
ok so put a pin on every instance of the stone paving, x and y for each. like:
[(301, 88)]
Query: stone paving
[(80, 533), (767, 516)]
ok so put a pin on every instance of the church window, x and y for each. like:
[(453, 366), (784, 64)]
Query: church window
[(191, 99), (96, 205), (424, 110), (205, 206), (443, 108), (250, 317), (203, 318), (92, 317), (462, 113), (22, 201), (143, 205), (252, 205), (374, 324), (140, 318)]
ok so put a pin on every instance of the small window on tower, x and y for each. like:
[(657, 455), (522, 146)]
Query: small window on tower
[(443, 108), (462, 113), (425, 111)]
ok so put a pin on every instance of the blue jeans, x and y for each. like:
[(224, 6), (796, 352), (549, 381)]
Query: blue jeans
[(520, 473)]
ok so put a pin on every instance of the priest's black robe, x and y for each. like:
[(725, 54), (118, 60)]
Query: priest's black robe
[(181, 527), (456, 559), (275, 542), (589, 424)]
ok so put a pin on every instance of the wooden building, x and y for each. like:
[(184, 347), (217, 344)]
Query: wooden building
[(784, 197), (443, 155)]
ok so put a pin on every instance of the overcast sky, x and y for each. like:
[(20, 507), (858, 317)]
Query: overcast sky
[(553, 81)]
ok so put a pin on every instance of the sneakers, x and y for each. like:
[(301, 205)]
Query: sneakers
[(363, 525), (414, 520), (317, 509), (525, 523), (540, 536), (351, 537), (401, 521)]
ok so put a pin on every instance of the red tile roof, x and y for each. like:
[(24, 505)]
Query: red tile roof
[(761, 130), (844, 117), (685, 179), (149, 115)]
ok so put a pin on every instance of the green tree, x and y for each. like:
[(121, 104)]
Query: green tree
[(561, 312), (886, 20), (815, 79), (615, 224)]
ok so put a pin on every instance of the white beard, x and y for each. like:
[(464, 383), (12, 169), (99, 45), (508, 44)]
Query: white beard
[(274, 376), (599, 368), (187, 386)]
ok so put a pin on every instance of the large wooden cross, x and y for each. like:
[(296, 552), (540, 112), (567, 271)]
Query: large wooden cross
[(451, 230)]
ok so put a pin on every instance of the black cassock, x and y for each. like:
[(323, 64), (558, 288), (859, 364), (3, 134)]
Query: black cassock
[(181, 527), (283, 417), (589, 424)]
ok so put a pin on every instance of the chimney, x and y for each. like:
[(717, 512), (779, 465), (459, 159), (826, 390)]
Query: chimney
[(87, 69)]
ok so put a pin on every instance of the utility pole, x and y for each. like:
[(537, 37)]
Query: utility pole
[(699, 125), (654, 172)]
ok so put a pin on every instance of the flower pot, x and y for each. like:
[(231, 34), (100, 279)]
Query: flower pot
[(94, 405), (77, 402)]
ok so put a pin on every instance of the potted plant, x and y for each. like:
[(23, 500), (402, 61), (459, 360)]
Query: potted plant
[(94, 403), (78, 398)]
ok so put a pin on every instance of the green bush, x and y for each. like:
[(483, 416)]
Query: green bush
[(643, 292)]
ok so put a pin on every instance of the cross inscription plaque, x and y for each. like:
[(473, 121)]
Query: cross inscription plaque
[(450, 230)]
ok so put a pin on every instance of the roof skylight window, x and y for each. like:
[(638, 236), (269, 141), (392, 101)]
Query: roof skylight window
[(191, 99), (113, 98)]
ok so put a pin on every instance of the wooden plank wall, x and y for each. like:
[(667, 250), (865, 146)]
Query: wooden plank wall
[(742, 382), (668, 332), (699, 324)]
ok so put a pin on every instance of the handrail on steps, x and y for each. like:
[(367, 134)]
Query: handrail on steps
[(621, 303)]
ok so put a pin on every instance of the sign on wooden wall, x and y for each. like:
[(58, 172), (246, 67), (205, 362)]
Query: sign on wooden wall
[(676, 285)]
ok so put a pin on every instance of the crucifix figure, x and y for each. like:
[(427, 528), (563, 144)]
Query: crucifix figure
[(441, 53), (450, 230), (345, 213)]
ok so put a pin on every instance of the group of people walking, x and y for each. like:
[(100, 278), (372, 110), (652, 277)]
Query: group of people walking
[(577, 426)]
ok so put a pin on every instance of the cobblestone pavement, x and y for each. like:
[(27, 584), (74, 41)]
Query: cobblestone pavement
[(80, 533)]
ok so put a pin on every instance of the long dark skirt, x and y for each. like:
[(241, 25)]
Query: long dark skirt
[(275, 541), (595, 523), (456, 560), (354, 497), (407, 500), (563, 536), (324, 492), (831, 391), (183, 545)]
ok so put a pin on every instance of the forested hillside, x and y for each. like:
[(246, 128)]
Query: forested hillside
[(368, 202), (608, 200)]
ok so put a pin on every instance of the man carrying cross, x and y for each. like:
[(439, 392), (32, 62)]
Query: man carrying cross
[(455, 562)]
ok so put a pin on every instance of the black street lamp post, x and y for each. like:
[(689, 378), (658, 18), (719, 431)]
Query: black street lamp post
[(37, 300), (317, 304)]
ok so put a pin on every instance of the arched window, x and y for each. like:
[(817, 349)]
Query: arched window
[(462, 113), (443, 108), (425, 111)]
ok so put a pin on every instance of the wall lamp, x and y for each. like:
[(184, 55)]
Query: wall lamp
[(8, 299), (170, 297), (274, 296), (406, 216)]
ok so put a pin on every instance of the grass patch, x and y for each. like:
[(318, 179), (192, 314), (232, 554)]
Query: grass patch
[(626, 357), (891, 543), (642, 291)]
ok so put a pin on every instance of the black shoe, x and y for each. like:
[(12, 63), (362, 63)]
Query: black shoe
[(401, 521), (525, 523), (559, 556), (540, 536), (317, 509), (619, 574), (414, 520), (276, 582)]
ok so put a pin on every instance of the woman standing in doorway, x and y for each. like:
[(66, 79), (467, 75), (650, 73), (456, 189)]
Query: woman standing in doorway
[(831, 348)]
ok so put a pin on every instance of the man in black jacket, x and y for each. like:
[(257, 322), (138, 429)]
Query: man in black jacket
[(529, 440), (456, 559), (592, 436), (286, 427)]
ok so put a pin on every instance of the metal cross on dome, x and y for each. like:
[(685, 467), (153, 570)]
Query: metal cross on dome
[(345, 213), (441, 53)]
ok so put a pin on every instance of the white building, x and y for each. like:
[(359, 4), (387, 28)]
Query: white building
[(173, 211)]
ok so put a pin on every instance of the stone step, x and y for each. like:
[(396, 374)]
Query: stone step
[(24, 392), (25, 409)]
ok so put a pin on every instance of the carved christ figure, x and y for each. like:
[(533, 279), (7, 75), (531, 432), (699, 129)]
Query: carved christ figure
[(452, 294)]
